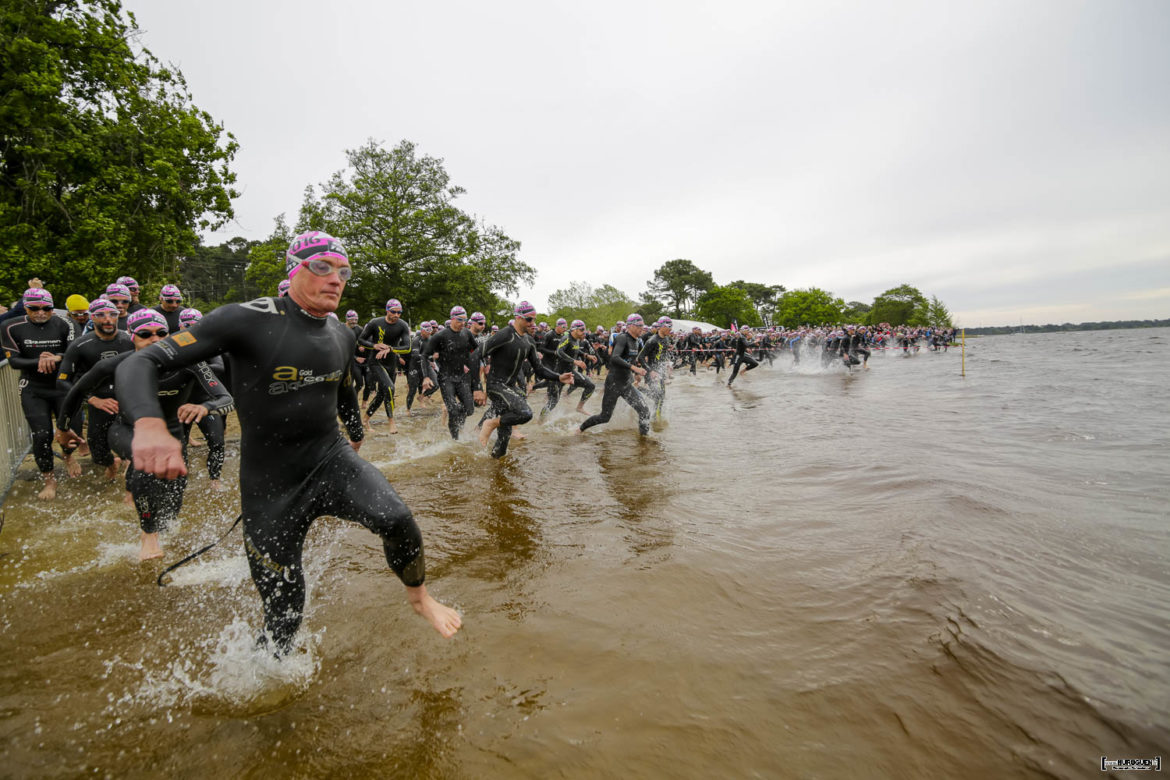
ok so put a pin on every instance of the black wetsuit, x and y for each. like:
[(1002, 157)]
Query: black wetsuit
[(418, 369), (82, 355), (509, 352), (655, 358), (569, 350), (741, 357), (291, 382), (172, 318), (383, 372), (158, 501), (458, 373), (212, 426), (358, 371), (23, 341), (619, 384)]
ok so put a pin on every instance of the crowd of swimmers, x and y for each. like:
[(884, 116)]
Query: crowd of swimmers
[(126, 383)]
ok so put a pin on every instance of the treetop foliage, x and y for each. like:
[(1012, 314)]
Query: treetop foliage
[(106, 167)]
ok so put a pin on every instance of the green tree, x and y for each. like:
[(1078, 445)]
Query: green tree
[(765, 297), (266, 259), (937, 314), (813, 306), (725, 305), (680, 283), (603, 306), (395, 212), (212, 275), (897, 305), (856, 311), (106, 167)]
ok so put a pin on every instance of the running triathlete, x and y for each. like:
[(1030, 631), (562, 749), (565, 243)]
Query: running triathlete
[(291, 373), (35, 344), (619, 381), (104, 341), (508, 351)]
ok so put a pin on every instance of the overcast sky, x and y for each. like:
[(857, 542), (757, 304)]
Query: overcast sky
[(1012, 158)]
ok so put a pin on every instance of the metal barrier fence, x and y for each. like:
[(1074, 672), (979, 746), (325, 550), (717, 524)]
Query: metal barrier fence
[(15, 440)]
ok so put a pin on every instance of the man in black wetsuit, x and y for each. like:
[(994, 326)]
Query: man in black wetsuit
[(655, 358), (740, 343), (35, 344), (619, 381), (508, 351), (389, 340), (132, 289), (456, 355), (104, 341), (572, 351), (158, 501), (290, 373), (170, 301)]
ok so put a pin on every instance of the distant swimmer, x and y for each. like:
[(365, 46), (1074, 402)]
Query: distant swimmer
[(508, 351), (619, 382), (290, 368), (387, 340), (740, 343), (456, 354)]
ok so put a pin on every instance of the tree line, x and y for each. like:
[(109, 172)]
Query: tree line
[(107, 168)]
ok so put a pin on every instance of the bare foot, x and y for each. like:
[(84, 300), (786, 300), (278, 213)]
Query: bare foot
[(578, 432), (150, 547), (83, 449), (486, 433), (444, 619), (581, 409), (216, 486), (72, 467), (518, 436), (128, 499), (195, 443), (50, 490), (393, 426)]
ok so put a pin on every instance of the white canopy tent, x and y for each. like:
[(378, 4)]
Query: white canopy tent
[(688, 325)]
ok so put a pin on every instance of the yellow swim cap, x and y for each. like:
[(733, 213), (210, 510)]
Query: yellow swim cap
[(76, 303)]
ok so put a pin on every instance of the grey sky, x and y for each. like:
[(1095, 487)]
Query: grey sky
[(1012, 158)]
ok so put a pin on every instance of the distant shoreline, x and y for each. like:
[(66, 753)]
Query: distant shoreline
[(1068, 326)]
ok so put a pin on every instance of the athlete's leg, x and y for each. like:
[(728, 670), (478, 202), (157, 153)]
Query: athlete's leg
[(611, 392)]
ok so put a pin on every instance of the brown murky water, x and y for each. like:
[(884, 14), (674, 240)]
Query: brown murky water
[(898, 573)]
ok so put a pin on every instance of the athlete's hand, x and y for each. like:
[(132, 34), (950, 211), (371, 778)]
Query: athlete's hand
[(638, 371), (567, 378), (380, 350), (192, 413), (66, 438), (357, 445), (47, 362), (480, 397), (107, 405), (579, 364), (155, 451), (427, 384), (359, 360)]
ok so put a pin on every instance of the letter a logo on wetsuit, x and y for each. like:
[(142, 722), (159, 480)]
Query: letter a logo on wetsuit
[(263, 305)]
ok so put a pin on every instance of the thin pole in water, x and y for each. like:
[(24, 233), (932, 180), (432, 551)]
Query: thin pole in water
[(964, 352)]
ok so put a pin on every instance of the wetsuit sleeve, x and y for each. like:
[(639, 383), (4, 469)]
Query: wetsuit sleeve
[(539, 368), (616, 350), (648, 349), (137, 378), (85, 385), (349, 410), (65, 370), (12, 349), (366, 339), (207, 385), (562, 350)]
